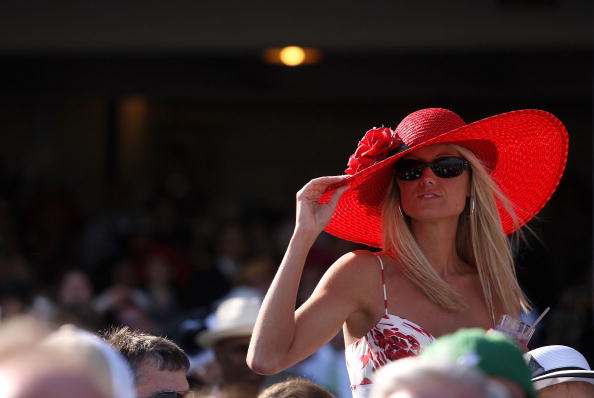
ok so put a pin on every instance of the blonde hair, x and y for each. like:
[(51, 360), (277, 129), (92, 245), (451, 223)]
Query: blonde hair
[(480, 242), (296, 388)]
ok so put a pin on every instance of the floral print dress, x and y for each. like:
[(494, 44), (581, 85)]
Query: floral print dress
[(392, 338)]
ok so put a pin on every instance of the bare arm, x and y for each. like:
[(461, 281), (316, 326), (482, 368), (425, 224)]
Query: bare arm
[(283, 336)]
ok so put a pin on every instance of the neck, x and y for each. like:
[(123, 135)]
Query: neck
[(437, 240)]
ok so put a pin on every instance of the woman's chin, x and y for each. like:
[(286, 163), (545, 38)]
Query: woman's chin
[(433, 215)]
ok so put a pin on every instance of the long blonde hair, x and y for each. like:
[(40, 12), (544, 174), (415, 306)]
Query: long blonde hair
[(480, 242)]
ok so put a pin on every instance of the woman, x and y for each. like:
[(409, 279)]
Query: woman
[(438, 197)]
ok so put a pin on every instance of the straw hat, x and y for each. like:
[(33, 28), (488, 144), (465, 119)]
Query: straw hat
[(556, 364), (234, 317), (524, 150)]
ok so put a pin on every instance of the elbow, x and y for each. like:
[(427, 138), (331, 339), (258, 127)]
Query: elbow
[(264, 366)]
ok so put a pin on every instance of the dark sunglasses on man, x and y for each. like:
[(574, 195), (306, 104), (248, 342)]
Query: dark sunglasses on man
[(167, 394)]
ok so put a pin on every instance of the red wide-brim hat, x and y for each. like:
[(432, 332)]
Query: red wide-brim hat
[(525, 152)]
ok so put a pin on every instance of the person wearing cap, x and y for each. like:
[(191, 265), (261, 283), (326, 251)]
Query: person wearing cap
[(559, 371), (158, 364), (228, 335), (437, 197), (494, 354)]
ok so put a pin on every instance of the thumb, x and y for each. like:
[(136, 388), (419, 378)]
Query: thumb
[(337, 195)]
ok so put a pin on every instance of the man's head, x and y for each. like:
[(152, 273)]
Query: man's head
[(159, 365), (229, 336), (571, 389), (418, 377), (68, 362), (231, 353), (38, 373), (82, 349), (496, 356), (560, 371)]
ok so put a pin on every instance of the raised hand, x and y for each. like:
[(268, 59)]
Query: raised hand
[(313, 216)]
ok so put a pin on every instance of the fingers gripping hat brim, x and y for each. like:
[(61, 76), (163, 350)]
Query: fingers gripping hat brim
[(525, 150)]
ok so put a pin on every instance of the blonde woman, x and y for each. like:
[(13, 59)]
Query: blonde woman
[(437, 196)]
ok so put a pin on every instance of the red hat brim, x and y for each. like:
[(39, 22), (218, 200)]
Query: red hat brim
[(525, 150)]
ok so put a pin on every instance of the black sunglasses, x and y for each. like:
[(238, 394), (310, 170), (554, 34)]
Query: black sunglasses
[(446, 167), (168, 394)]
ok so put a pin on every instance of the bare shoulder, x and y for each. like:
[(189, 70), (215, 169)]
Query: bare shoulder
[(357, 276), (357, 263), (355, 271)]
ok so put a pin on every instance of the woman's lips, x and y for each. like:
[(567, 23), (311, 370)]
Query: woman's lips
[(428, 196)]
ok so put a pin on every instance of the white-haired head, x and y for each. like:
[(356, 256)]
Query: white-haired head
[(416, 378)]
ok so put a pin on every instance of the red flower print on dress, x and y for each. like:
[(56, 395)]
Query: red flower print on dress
[(391, 339), (418, 329), (394, 344), (364, 359), (374, 147)]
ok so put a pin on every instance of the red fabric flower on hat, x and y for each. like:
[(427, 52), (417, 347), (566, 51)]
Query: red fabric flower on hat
[(374, 147)]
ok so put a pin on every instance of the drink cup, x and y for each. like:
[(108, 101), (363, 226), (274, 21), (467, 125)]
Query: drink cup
[(517, 330)]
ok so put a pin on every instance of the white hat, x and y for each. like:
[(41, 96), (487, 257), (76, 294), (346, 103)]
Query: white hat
[(554, 364), (235, 317)]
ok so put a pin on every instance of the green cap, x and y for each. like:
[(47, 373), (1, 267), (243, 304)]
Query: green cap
[(492, 353)]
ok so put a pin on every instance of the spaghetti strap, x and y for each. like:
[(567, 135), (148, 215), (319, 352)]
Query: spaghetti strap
[(383, 285), (379, 345)]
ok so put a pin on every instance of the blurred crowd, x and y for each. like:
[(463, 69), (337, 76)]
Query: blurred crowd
[(161, 261), (39, 360), (149, 260), (158, 260)]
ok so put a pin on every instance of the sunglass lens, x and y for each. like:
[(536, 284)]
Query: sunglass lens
[(409, 169), (448, 167)]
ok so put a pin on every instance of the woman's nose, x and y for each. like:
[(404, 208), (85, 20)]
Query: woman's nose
[(428, 177)]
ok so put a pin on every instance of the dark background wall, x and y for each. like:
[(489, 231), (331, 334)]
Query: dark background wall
[(97, 92)]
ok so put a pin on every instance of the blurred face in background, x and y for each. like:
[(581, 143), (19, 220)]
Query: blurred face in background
[(136, 318), (158, 270), (75, 288), (230, 354), (232, 242)]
